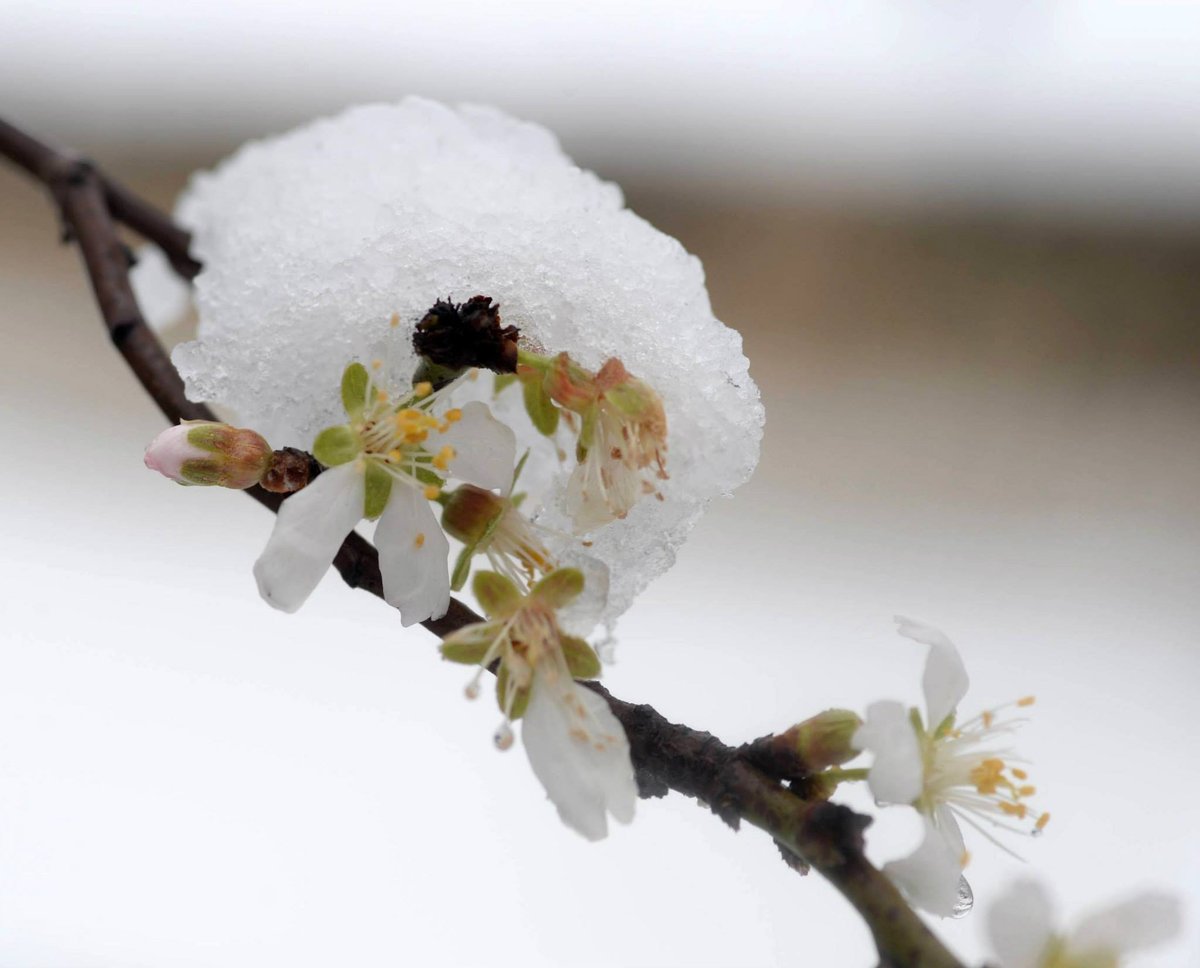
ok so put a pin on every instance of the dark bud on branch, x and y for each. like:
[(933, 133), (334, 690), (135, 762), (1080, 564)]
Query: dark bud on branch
[(290, 470), (452, 337)]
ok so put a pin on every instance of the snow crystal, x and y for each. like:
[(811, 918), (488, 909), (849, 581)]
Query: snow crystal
[(164, 298), (311, 241)]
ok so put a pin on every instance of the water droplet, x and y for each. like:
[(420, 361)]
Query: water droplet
[(504, 738), (966, 899)]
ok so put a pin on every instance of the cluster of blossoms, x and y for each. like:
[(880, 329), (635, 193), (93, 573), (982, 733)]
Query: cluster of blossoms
[(393, 460), (470, 199)]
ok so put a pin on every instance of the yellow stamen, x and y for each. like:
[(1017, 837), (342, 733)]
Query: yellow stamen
[(394, 455), (454, 415), (1027, 791), (1017, 810), (376, 364), (988, 718), (443, 458), (988, 776), (1042, 821), (381, 396), (1020, 774), (395, 320), (1027, 701), (419, 540), (432, 492), (423, 389)]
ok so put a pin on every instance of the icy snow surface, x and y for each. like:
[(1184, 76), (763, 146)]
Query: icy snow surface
[(312, 240)]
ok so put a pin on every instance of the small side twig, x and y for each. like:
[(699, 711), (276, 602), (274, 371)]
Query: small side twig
[(666, 756)]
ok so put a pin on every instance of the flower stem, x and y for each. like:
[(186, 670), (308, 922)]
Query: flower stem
[(534, 360), (845, 776)]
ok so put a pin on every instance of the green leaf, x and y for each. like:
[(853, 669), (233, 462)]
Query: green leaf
[(356, 384), (468, 645), (336, 445), (561, 586), (498, 596), (503, 382), (539, 406), (377, 488), (520, 700), (581, 658)]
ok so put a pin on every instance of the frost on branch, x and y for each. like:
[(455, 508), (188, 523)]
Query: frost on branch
[(313, 240)]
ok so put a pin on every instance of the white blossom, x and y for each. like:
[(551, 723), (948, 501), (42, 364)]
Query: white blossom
[(1021, 925), (576, 746), (388, 463), (949, 770)]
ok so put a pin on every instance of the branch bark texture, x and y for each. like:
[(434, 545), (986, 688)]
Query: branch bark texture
[(810, 832)]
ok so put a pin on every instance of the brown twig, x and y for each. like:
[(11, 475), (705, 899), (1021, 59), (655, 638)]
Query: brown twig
[(666, 756)]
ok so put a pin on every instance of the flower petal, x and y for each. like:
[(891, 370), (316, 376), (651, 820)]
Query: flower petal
[(898, 773), (946, 825), (1141, 922), (309, 529), (579, 752), (485, 450), (171, 450), (412, 557), (1020, 924), (945, 680), (929, 876)]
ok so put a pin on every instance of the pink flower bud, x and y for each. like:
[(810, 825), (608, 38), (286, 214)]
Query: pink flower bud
[(204, 452)]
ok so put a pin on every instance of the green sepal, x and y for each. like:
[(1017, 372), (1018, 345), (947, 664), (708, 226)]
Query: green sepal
[(539, 406), (356, 384), (468, 646), (205, 435), (629, 398), (944, 726), (520, 700), (581, 657), (336, 445), (205, 472), (462, 569), (377, 488), (561, 586), (426, 476), (503, 382), (497, 596)]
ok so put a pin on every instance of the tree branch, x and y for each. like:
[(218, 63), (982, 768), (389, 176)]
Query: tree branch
[(666, 756)]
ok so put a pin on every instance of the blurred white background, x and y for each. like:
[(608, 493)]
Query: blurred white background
[(962, 241)]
